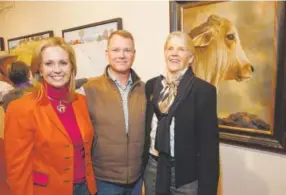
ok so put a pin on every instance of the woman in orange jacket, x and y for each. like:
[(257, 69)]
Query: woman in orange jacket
[(48, 134)]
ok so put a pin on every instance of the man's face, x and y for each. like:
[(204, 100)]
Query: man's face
[(120, 54)]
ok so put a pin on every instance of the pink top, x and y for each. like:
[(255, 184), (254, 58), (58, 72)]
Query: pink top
[(68, 120)]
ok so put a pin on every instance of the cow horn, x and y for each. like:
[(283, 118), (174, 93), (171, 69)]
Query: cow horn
[(214, 19)]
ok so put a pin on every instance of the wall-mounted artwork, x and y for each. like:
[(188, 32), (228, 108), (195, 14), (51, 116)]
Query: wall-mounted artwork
[(98, 31), (2, 44), (243, 56), (89, 42), (23, 46)]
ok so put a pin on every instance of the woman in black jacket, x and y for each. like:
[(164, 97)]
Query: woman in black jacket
[(182, 141)]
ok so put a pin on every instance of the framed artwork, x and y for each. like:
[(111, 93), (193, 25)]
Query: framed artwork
[(242, 55), (2, 44), (17, 42), (89, 43), (91, 32), (23, 46)]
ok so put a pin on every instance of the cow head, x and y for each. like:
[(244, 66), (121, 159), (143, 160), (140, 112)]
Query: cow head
[(218, 39)]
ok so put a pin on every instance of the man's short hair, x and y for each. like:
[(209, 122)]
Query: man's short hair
[(122, 33), (18, 72)]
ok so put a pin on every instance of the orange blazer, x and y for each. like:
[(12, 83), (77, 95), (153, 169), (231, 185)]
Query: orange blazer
[(36, 143)]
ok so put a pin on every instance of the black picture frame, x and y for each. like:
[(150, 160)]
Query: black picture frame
[(2, 44), (70, 37), (14, 42), (274, 141)]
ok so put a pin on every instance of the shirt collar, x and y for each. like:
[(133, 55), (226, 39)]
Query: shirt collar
[(129, 82), (181, 73)]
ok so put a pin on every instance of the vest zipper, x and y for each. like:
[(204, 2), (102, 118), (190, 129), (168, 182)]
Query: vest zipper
[(127, 136)]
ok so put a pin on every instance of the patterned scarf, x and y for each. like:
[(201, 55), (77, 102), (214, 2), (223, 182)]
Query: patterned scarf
[(169, 92)]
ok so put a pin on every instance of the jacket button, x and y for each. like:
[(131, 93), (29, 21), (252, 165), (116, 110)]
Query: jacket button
[(67, 157), (67, 181), (67, 169), (67, 146)]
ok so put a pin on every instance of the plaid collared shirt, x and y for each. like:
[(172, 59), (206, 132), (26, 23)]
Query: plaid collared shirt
[(124, 92)]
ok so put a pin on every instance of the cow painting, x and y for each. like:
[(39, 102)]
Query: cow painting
[(220, 55)]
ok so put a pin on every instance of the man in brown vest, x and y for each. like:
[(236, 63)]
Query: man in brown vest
[(116, 102)]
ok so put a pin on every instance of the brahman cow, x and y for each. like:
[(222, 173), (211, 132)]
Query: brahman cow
[(220, 55)]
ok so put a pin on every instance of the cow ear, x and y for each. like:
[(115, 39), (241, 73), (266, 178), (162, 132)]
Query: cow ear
[(203, 39)]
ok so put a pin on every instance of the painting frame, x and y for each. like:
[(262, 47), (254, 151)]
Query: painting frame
[(12, 41), (274, 141), (2, 44), (118, 22)]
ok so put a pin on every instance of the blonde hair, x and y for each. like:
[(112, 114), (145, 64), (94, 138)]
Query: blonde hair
[(122, 33), (188, 42), (36, 65)]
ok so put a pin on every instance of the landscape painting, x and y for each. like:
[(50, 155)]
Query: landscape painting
[(98, 31)]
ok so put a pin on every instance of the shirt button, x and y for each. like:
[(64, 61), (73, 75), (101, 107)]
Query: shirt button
[(67, 146), (67, 157), (67, 181), (67, 169)]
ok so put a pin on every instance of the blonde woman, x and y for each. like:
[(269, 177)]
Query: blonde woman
[(48, 134), (182, 143)]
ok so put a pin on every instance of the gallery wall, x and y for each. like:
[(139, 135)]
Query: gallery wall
[(245, 171)]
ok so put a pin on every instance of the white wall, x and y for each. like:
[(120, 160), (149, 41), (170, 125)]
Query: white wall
[(148, 22), (245, 171)]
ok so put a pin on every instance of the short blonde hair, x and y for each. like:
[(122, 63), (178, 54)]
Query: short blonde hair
[(122, 33), (188, 42), (36, 64)]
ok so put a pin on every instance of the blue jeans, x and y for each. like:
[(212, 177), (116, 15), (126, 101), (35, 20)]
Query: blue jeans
[(107, 188), (80, 189)]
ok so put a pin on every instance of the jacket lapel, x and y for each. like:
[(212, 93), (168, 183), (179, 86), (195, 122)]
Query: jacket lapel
[(55, 119), (80, 117)]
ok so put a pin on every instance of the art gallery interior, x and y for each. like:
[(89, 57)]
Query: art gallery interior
[(244, 170)]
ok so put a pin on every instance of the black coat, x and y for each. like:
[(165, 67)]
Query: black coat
[(196, 137)]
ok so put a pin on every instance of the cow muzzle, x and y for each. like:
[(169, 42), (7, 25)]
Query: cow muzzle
[(245, 73)]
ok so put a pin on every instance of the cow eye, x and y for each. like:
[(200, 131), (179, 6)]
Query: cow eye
[(230, 37)]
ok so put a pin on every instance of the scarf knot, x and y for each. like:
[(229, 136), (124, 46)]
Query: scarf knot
[(168, 93)]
